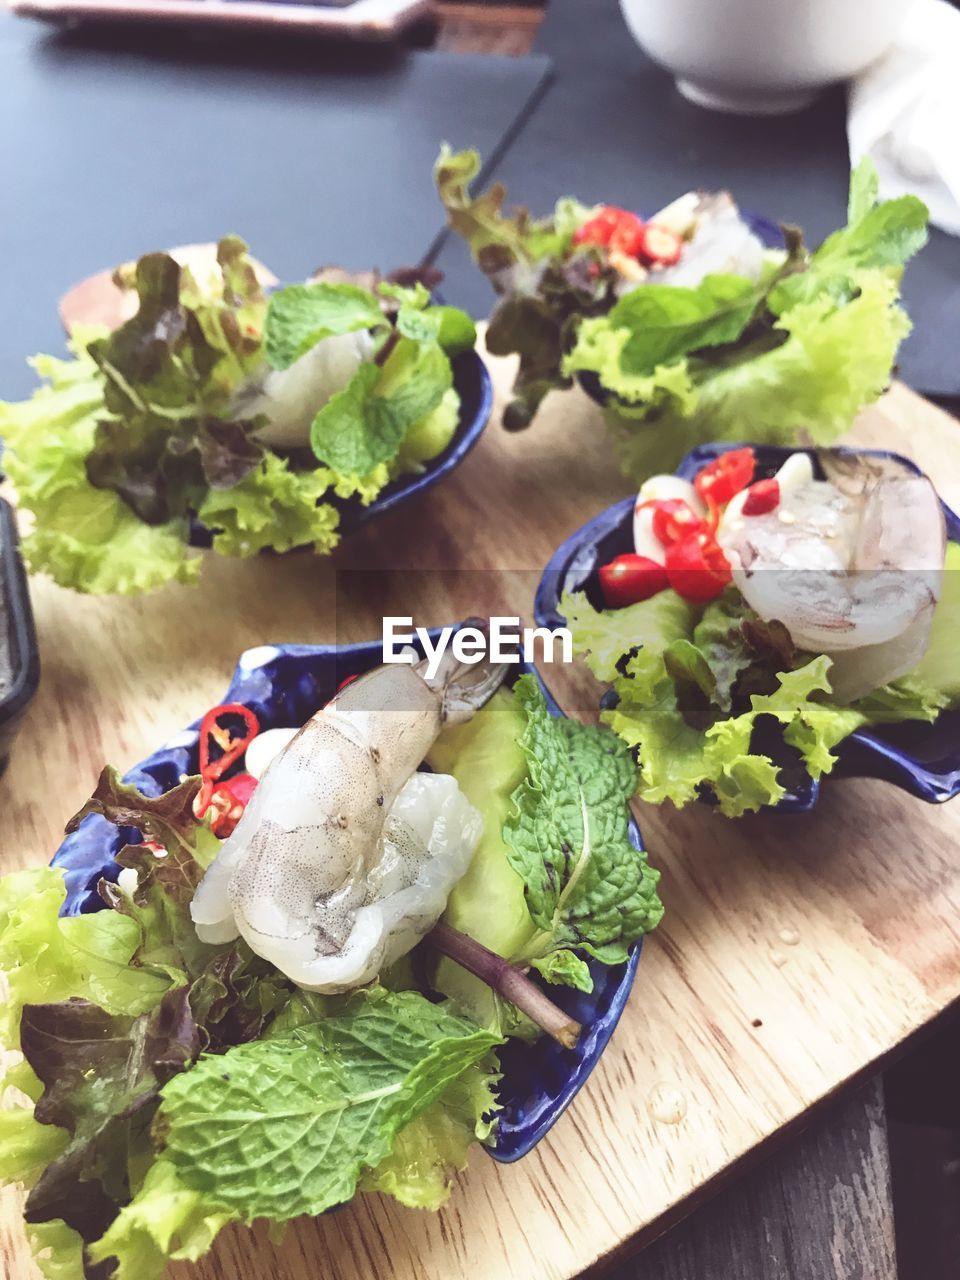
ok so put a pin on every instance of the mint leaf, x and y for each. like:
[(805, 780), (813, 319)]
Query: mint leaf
[(365, 424), (564, 968), (667, 322), (419, 325), (283, 1127), (430, 1149), (886, 235), (586, 886), (301, 315)]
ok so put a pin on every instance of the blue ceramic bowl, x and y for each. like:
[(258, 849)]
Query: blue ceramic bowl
[(472, 383), (284, 685), (923, 759), (19, 656), (767, 232)]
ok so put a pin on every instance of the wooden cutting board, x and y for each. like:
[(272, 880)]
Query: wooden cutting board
[(796, 952)]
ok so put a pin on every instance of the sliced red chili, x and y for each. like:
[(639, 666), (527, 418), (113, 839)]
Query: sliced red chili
[(697, 568), (227, 800), (629, 579), (599, 228), (762, 497), (673, 519), (660, 244), (627, 235), (232, 746), (719, 480)]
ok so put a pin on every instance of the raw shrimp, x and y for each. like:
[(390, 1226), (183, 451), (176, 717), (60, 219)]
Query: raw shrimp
[(852, 570), (720, 241), (346, 854), (291, 398)]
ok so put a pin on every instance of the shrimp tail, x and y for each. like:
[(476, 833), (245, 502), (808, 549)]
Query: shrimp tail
[(465, 687)]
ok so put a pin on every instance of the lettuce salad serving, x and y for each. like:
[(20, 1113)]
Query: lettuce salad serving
[(255, 417), (692, 330), (162, 1086), (759, 610)]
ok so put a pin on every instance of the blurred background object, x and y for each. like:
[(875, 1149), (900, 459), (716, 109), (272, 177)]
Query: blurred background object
[(368, 20), (903, 112), (612, 127), (763, 57), (137, 139)]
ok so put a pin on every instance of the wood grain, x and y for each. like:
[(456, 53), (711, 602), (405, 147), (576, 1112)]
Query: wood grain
[(796, 951), (820, 1209)]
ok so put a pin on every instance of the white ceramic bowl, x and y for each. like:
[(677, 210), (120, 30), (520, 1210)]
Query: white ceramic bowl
[(762, 57)]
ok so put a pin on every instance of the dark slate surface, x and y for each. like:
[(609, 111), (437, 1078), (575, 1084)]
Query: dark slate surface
[(112, 144), (612, 127)]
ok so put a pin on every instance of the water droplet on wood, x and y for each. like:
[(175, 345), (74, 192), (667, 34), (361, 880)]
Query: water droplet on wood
[(789, 937), (667, 1104)]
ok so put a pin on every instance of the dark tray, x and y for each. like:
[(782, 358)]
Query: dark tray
[(19, 657)]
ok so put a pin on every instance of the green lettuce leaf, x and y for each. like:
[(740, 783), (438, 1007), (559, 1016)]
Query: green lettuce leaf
[(57, 1250), (664, 322), (164, 1222), (273, 506), (170, 373), (691, 686), (85, 538), (104, 1008), (102, 1075), (282, 1127), (498, 240), (546, 282)]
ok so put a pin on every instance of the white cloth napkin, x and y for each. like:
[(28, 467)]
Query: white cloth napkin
[(904, 112)]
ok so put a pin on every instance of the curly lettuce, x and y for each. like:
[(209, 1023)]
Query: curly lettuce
[(800, 351), (796, 356), (139, 1049), (157, 425), (694, 688)]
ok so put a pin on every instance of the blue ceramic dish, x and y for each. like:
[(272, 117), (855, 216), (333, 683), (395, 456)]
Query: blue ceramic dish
[(285, 685), (923, 759), (767, 232), (472, 383), (19, 656)]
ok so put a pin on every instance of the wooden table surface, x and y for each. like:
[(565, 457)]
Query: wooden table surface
[(796, 951)]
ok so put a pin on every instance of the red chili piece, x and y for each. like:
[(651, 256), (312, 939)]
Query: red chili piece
[(232, 747), (627, 236), (697, 569), (629, 579), (719, 480), (673, 519), (659, 245), (599, 228), (228, 800), (762, 497)]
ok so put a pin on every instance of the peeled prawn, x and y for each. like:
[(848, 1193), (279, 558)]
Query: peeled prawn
[(720, 240), (853, 572), (345, 856), (289, 399)]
